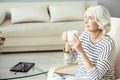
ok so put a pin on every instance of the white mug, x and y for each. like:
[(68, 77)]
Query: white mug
[(71, 34)]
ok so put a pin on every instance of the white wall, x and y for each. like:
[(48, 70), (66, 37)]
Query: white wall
[(112, 5)]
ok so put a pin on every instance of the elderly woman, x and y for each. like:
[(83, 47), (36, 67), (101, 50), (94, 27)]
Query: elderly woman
[(94, 49)]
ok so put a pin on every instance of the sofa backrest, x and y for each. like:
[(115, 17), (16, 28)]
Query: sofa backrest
[(5, 6), (114, 33)]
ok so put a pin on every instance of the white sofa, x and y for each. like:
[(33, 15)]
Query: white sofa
[(35, 26)]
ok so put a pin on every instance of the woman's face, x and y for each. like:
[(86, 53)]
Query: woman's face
[(90, 24)]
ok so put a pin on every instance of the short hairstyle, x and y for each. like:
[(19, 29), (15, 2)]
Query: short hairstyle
[(102, 17)]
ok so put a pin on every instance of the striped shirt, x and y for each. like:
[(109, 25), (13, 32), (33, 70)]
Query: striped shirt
[(101, 54)]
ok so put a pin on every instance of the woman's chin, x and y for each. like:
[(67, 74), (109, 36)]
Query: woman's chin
[(86, 29)]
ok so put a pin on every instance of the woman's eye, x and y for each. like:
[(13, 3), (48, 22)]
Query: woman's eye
[(91, 18)]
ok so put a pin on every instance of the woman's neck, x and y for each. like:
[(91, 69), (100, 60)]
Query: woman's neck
[(96, 36)]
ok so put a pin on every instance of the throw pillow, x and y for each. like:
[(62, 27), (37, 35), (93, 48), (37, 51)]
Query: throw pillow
[(2, 16), (67, 12), (26, 14)]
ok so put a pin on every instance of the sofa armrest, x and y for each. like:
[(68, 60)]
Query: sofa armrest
[(59, 67)]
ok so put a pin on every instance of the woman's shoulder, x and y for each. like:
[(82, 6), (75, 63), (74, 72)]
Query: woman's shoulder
[(108, 41), (85, 33), (84, 36)]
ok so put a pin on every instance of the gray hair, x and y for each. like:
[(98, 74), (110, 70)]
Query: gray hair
[(102, 17)]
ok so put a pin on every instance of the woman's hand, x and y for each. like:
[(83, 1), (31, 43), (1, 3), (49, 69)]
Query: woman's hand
[(65, 38), (76, 43)]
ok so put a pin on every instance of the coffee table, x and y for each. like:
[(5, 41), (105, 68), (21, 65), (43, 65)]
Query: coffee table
[(35, 71)]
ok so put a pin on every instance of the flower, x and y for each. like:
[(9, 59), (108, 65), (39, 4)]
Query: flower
[(2, 38)]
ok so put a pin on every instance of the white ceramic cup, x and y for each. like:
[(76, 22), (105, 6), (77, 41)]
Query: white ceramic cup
[(71, 34)]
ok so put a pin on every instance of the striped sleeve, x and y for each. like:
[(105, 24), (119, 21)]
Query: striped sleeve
[(72, 58), (98, 71), (105, 61)]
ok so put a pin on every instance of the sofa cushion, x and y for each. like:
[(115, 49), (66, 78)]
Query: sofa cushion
[(26, 14), (115, 26), (69, 12), (2, 16), (39, 29)]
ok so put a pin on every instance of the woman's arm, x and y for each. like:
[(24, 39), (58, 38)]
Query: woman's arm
[(69, 54)]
